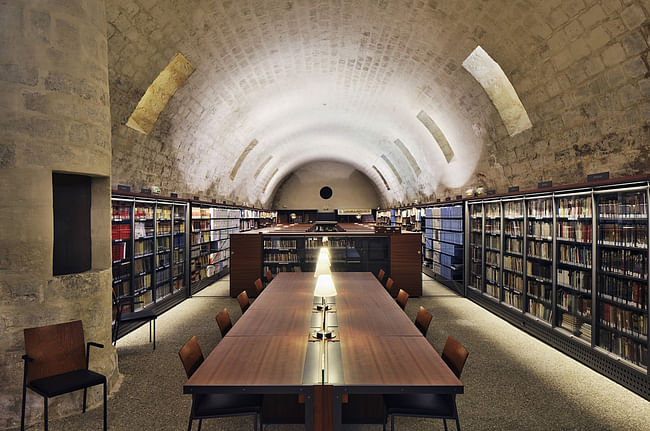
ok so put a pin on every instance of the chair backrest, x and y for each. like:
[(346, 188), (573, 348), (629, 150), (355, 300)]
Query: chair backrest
[(244, 303), (422, 320), (381, 275), (191, 356), (55, 349), (402, 297), (269, 276), (224, 322), (389, 285), (259, 286), (454, 355)]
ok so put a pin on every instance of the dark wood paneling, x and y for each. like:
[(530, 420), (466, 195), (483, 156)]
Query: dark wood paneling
[(406, 262), (323, 407), (245, 263)]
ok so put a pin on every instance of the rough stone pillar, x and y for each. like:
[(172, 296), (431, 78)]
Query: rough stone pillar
[(54, 117)]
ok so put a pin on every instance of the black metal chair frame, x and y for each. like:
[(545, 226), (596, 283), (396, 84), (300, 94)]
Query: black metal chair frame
[(53, 379), (137, 316), (444, 418)]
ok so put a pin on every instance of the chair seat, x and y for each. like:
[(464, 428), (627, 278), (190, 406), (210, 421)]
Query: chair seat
[(66, 382), (138, 316), (226, 404), (433, 405)]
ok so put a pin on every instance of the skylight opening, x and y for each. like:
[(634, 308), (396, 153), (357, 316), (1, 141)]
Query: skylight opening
[(154, 100), (499, 89), (241, 158), (437, 134)]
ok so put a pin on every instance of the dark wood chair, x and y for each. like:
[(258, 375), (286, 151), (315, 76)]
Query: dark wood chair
[(438, 406), (120, 317), (390, 284), (206, 406), (244, 303), (402, 297), (56, 362), (224, 322), (269, 276), (259, 286), (422, 320), (381, 275)]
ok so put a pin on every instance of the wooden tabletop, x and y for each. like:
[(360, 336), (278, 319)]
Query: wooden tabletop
[(379, 344)]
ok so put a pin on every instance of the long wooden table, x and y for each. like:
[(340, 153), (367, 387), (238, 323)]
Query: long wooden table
[(377, 350)]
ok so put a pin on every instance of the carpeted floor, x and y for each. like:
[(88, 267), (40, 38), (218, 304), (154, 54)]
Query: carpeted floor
[(512, 381)]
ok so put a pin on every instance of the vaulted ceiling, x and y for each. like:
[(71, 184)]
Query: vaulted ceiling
[(291, 82)]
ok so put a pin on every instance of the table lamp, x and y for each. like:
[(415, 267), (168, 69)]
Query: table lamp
[(324, 288)]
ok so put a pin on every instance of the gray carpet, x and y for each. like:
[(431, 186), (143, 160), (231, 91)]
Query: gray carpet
[(512, 381)]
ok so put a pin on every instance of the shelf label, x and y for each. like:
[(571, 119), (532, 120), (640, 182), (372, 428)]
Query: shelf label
[(598, 177), (513, 189), (544, 184)]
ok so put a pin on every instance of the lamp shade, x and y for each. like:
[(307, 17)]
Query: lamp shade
[(322, 268), (325, 286)]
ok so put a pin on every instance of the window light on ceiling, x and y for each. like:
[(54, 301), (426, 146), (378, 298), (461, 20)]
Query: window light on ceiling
[(499, 89)]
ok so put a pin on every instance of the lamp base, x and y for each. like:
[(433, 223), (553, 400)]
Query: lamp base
[(320, 307), (323, 335)]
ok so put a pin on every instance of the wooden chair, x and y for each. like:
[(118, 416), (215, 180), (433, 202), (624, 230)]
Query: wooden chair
[(439, 406), (224, 322), (402, 297), (422, 320), (244, 303), (120, 317), (56, 362), (269, 276), (259, 286), (381, 275), (206, 406), (389, 285)]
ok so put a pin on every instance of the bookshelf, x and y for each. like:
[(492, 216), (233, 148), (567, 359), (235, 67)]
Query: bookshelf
[(443, 244), (251, 218), (148, 243), (211, 227), (570, 266)]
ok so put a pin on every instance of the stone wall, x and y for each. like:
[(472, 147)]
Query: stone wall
[(54, 116)]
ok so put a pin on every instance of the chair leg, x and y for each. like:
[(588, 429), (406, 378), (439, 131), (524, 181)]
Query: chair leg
[(105, 397), (457, 424), (255, 422), (200, 423), (189, 425), (444, 421), (83, 410), (154, 334), (45, 412), (22, 413), (392, 422)]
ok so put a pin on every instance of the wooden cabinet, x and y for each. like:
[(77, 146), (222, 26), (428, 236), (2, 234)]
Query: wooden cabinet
[(246, 262), (406, 263)]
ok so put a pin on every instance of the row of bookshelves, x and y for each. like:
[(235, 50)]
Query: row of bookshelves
[(155, 257)]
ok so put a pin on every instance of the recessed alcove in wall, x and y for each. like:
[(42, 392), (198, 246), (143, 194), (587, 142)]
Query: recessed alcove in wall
[(349, 188)]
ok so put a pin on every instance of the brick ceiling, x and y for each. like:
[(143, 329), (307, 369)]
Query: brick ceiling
[(333, 80)]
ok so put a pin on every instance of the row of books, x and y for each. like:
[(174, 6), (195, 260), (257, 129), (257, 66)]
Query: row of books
[(576, 304), (513, 209), (492, 258), (513, 228), (574, 207), (492, 289), (513, 281), (539, 228), (626, 262), (492, 274), (279, 243), (574, 231), (624, 320), (540, 290), (163, 259), (142, 247), (576, 255), (212, 212), (493, 242), (513, 263), (579, 280), (119, 251), (512, 298), (539, 249), (629, 292), (143, 229), (281, 257), (121, 271), (453, 211), (623, 235), (628, 205), (121, 212), (493, 226), (142, 265), (477, 225), (540, 208), (492, 210), (539, 310), (199, 225), (163, 228), (120, 231), (142, 212), (313, 242), (625, 347), (514, 245), (284, 268)]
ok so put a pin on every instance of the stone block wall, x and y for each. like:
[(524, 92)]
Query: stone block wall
[(54, 117)]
